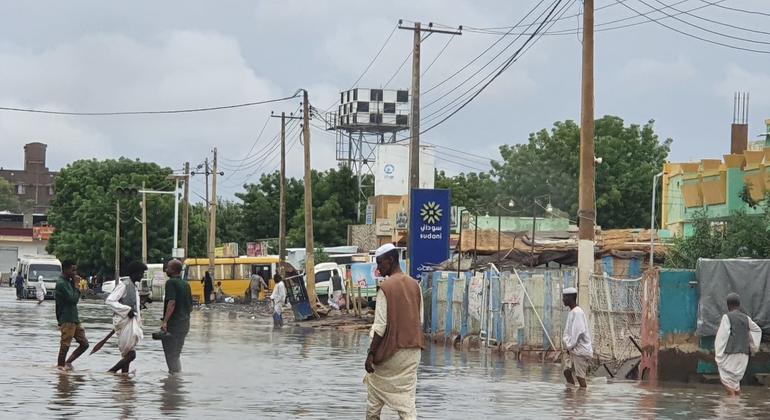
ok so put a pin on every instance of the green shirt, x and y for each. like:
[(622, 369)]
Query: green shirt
[(67, 297), (179, 291)]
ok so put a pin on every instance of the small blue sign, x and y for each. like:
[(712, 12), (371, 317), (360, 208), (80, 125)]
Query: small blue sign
[(428, 229)]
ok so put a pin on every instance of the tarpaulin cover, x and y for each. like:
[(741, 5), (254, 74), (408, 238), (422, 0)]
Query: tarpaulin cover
[(717, 278)]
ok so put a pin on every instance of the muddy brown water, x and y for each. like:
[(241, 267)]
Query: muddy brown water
[(237, 365)]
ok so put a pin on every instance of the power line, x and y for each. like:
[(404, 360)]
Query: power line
[(449, 40), (376, 56), (398, 70), (259, 136), (753, 41), (756, 31), (173, 111), (691, 35), (735, 9)]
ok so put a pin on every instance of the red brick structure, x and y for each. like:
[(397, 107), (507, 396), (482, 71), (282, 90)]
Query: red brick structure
[(34, 183)]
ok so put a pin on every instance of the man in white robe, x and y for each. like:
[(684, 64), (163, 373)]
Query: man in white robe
[(397, 341), (737, 336), (278, 297), (125, 304), (577, 340), (40, 290)]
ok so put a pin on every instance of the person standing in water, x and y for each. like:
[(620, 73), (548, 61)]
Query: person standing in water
[(67, 296), (736, 337), (577, 340), (127, 322), (278, 297)]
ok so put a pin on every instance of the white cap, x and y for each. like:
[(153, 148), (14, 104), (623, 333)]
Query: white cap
[(569, 291), (384, 250)]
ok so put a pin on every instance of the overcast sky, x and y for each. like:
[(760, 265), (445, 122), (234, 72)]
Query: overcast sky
[(148, 55)]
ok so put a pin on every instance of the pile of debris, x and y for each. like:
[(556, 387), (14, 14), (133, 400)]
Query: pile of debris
[(515, 249)]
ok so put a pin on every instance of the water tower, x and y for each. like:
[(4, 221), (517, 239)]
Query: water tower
[(364, 119)]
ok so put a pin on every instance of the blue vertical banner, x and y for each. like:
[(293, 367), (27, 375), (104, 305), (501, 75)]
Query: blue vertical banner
[(429, 229)]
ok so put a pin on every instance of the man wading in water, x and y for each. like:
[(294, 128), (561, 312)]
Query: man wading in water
[(125, 304), (737, 336), (577, 340), (67, 296), (397, 340), (176, 315)]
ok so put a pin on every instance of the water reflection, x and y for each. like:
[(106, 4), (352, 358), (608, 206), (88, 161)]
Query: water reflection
[(241, 365), (172, 395)]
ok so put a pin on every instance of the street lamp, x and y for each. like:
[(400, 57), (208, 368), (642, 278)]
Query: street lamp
[(549, 209)]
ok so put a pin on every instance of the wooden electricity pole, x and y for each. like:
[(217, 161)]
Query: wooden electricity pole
[(117, 241), (282, 194), (144, 223), (309, 250), (587, 200), (186, 210), (213, 217)]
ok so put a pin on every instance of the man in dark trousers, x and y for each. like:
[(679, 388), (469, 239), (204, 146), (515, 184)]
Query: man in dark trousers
[(176, 315), (67, 296), (19, 283)]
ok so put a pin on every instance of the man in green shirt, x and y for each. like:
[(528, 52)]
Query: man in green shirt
[(67, 296), (177, 306)]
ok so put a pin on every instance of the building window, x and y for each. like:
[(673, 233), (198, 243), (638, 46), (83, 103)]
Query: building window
[(355, 118), (375, 118), (355, 94), (342, 97), (402, 120), (347, 96), (21, 189), (375, 95), (363, 106), (402, 96), (389, 107)]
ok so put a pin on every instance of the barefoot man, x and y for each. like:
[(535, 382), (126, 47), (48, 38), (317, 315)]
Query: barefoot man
[(397, 340), (577, 340), (67, 296), (737, 336), (125, 304)]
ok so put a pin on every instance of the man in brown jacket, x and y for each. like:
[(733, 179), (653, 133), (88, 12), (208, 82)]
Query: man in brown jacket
[(397, 340)]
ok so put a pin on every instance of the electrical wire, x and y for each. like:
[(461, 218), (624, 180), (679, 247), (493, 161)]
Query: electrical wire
[(692, 35), (449, 40), (738, 38), (398, 70), (501, 70), (735, 9), (248, 154), (173, 111), (369, 66), (756, 31)]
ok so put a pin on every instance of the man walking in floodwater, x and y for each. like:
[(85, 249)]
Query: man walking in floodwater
[(397, 340), (577, 340), (67, 296), (737, 336), (177, 306), (208, 287), (278, 297), (127, 321)]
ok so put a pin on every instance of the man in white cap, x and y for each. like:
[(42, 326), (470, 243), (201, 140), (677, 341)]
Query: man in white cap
[(577, 340), (737, 336), (397, 340)]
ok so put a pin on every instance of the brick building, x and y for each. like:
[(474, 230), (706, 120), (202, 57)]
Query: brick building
[(34, 183)]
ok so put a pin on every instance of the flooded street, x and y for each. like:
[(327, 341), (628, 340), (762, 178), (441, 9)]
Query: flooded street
[(236, 365)]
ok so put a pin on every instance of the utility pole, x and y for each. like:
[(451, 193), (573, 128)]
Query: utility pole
[(587, 200), (117, 241), (414, 123), (186, 210), (309, 250), (144, 223), (282, 195), (213, 217)]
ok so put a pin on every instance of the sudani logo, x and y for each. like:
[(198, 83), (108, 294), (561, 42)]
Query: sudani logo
[(431, 212), (389, 169)]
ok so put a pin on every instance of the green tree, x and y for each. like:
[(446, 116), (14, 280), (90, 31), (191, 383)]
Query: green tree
[(549, 164), (8, 199), (261, 205), (83, 212), (472, 190)]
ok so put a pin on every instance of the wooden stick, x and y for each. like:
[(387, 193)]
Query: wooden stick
[(100, 344)]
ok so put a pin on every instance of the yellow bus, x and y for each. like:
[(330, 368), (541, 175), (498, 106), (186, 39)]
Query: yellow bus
[(234, 273)]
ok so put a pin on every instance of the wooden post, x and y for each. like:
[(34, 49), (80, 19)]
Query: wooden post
[(186, 211), (213, 218), (282, 206), (587, 199), (309, 249)]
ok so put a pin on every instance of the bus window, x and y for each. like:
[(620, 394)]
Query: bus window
[(224, 271), (263, 270)]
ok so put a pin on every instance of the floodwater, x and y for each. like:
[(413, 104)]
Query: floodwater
[(237, 365)]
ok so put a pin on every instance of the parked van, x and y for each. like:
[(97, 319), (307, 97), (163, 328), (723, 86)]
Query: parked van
[(32, 267), (323, 277)]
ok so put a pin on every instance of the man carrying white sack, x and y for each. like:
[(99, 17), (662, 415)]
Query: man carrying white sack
[(124, 302), (737, 336)]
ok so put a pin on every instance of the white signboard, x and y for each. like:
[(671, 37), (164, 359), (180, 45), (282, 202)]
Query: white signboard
[(392, 169), (370, 214)]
